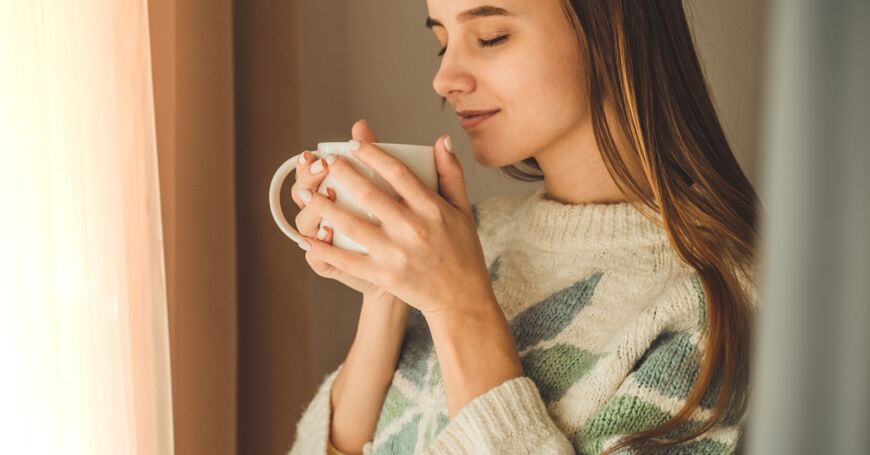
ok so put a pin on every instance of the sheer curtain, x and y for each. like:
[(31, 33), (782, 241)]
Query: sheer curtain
[(83, 333)]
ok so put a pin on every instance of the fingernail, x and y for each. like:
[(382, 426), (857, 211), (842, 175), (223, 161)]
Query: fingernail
[(448, 144), (317, 167), (302, 159), (321, 234), (305, 245), (354, 145), (305, 194), (331, 158)]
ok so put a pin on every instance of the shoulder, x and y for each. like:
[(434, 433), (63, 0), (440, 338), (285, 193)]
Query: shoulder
[(747, 280), (676, 303)]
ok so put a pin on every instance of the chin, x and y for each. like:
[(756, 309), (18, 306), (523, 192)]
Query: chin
[(493, 157), (482, 156)]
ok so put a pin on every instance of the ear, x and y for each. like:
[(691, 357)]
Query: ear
[(362, 132), (451, 179)]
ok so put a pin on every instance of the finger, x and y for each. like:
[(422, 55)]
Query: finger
[(326, 270), (325, 234), (322, 268), (304, 159), (383, 206), (360, 230), (348, 262), (361, 131), (406, 184), (307, 220), (451, 180), (309, 176), (302, 163)]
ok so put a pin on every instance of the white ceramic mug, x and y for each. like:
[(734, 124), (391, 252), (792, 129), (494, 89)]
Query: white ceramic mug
[(420, 159)]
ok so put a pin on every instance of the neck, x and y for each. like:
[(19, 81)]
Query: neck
[(581, 187), (575, 173)]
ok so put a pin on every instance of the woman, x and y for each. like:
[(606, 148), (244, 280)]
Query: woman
[(610, 309)]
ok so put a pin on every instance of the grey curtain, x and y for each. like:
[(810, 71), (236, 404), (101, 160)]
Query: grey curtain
[(812, 367)]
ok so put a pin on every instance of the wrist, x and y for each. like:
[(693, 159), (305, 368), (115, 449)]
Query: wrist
[(461, 316), (476, 351), (383, 315), (468, 324), (381, 330)]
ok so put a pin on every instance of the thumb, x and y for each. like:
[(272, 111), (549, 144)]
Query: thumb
[(451, 179), (361, 131)]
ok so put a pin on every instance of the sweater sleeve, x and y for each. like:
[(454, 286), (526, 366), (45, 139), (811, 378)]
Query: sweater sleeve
[(510, 418), (312, 430)]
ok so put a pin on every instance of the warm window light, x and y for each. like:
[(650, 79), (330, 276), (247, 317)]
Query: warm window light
[(83, 331)]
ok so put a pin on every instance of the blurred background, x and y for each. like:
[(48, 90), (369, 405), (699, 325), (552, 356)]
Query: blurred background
[(242, 86), (163, 311)]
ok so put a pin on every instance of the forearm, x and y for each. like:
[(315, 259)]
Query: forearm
[(476, 352), (361, 385)]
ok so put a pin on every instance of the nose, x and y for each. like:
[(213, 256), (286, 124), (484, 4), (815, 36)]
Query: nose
[(452, 77)]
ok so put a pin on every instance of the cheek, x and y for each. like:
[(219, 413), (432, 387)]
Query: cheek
[(542, 97), (546, 99), (556, 90)]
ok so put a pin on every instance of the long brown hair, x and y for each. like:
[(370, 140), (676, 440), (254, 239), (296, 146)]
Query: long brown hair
[(640, 57)]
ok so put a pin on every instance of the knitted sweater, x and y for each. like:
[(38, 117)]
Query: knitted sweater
[(609, 325)]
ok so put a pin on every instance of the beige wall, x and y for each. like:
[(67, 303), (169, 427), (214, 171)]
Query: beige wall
[(730, 37), (378, 62)]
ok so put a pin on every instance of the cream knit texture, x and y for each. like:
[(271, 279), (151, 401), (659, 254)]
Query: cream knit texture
[(609, 324)]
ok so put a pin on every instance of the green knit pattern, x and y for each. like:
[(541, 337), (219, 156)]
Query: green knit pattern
[(414, 411)]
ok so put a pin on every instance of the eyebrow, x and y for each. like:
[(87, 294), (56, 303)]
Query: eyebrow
[(474, 13)]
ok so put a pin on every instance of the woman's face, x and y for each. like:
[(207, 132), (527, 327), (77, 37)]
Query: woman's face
[(535, 76)]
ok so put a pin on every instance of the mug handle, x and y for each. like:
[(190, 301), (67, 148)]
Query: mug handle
[(281, 174)]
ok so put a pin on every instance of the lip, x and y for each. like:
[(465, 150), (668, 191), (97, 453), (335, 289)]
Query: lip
[(475, 120)]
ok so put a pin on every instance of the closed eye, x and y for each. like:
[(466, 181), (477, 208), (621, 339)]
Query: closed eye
[(483, 43)]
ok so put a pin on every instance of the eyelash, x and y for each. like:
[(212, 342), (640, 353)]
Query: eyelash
[(484, 43)]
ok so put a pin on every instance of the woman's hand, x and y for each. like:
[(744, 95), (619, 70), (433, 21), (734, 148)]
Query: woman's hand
[(426, 251), (309, 175)]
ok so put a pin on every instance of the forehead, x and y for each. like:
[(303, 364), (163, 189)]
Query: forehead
[(460, 11)]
